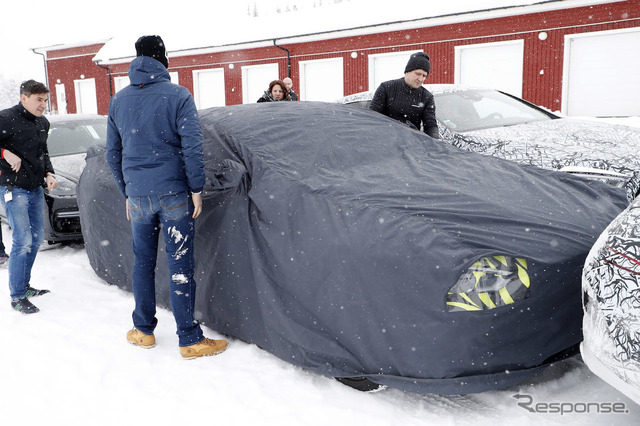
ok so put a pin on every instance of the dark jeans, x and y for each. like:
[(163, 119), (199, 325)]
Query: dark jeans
[(173, 212)]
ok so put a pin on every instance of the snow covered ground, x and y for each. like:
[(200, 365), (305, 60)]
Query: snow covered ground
[(70, 364)]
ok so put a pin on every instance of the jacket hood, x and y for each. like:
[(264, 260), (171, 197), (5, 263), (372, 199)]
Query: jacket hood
[(146, 70)]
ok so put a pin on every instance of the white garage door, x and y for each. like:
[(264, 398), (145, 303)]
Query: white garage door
[(321, 80), (602, 73), (255, 80), (86, 99), (496, 65), (208, 88), (387, 66)]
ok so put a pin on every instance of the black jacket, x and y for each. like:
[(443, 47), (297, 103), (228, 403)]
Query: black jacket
[(416, 107), (25, 135)]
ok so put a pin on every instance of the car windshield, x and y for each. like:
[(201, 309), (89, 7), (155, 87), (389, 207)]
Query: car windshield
[(75, 136), (468, 110)]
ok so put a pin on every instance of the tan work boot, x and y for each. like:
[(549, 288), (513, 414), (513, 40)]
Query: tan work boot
[(138, 338), (207, 347)]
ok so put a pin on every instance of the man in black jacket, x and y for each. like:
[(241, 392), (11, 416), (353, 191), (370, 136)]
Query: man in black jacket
[(24, 169), (406, 100), (289, 83)]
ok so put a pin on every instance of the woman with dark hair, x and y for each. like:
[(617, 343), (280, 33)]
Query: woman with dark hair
[(277, 92)]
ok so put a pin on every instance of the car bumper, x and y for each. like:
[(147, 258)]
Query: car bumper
[(62, 219)]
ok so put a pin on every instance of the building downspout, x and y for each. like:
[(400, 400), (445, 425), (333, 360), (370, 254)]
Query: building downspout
[(46, 74), (109, 76), (288, 57)]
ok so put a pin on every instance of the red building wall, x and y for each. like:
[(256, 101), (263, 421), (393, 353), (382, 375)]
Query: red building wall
[(64, 66), (543, 59)]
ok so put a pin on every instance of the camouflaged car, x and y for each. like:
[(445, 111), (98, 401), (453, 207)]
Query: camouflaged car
[(496, 123)]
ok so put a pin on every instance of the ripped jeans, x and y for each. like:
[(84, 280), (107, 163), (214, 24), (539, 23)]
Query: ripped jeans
[(173, 212)]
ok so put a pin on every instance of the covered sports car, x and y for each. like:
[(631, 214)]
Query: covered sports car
[(611, 299), (351, 245)]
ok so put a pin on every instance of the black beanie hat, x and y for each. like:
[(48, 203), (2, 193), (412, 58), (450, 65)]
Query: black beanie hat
[(418, 61), (153, 47)]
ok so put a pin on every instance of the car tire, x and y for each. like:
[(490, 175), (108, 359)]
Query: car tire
[(360, 383)]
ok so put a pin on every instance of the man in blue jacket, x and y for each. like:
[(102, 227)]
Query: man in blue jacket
[(154, 150)]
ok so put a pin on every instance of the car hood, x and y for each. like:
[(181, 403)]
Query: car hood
[(69, 166), (566, 141)]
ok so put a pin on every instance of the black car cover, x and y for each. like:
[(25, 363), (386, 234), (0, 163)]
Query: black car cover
[(331, 236)]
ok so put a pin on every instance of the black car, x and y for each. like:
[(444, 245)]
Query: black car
[(349, 244), (496, 123), (69, 138)]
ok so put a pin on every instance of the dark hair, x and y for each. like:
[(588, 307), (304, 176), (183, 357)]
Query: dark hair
[(31, 87), (282, 85)]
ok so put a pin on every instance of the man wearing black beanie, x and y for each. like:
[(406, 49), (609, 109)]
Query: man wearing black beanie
[(153, 47), (154, 151), (406, 100)]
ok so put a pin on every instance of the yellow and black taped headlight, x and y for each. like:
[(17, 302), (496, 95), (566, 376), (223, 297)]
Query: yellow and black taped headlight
[(489, 283)]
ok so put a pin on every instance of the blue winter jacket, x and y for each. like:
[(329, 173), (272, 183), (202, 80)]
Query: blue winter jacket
[(154, 140)]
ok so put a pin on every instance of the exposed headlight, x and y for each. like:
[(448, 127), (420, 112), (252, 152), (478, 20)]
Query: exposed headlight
[(489, 283)]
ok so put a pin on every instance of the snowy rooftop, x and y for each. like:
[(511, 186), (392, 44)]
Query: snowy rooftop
[(210, 32)]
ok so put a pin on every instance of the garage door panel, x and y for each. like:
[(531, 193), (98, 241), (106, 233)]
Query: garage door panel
[(601, 74), (322, 80), (497, 65), (387, 66), (255, 81)]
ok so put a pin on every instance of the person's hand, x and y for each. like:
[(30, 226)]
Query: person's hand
[(52, 183), (197, 204), (14, 161), (126, 202)]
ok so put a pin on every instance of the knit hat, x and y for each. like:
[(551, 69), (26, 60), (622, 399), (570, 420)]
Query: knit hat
[(418, 61), (153, 47)]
